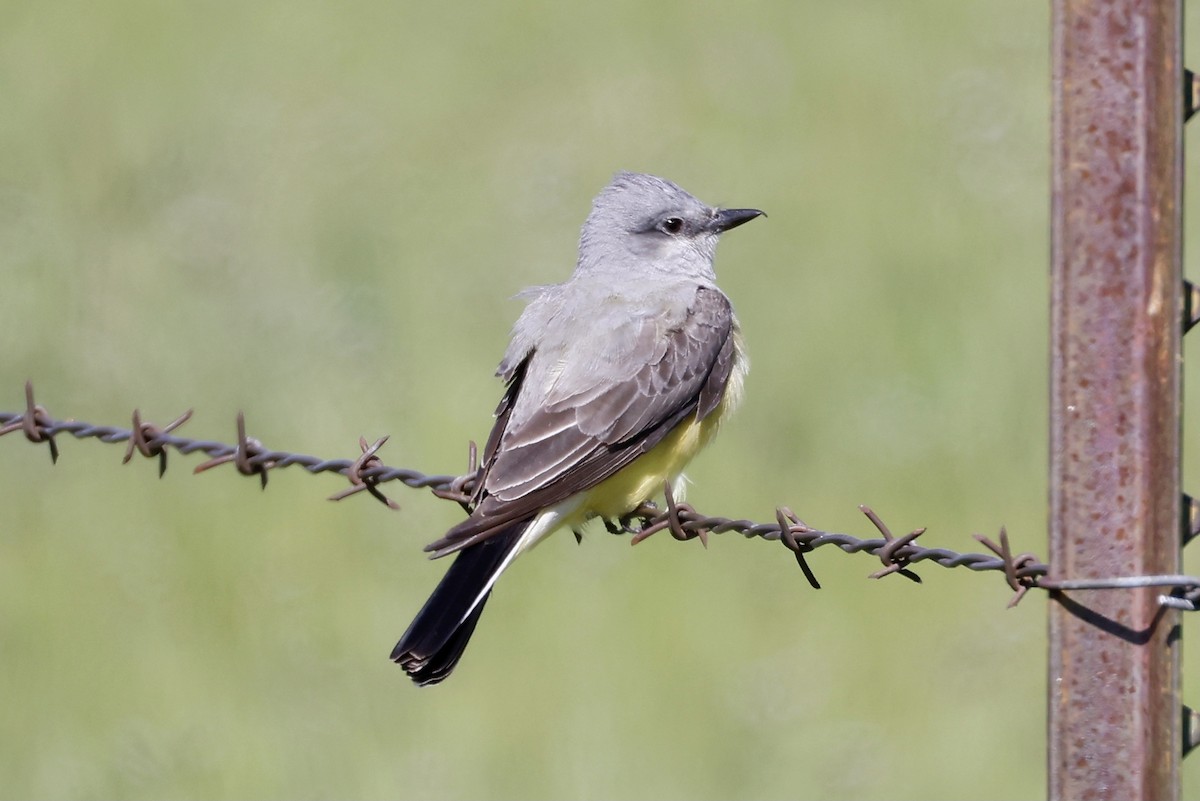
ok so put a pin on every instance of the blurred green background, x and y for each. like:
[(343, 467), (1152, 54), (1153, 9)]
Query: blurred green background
[(316, 214)]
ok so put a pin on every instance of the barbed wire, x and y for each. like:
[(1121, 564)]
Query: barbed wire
[(898, 554)]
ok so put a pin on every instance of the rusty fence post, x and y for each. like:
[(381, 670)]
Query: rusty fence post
[(1114, 707)]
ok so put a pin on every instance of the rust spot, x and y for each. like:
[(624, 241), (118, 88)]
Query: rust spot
[(1118, 142)]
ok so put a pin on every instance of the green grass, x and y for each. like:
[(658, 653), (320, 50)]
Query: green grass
[(316, 215)]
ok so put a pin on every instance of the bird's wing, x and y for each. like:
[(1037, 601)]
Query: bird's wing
[(583, 433)]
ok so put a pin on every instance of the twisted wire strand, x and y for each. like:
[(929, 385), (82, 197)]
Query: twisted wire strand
[(267, 459), (365, 473)]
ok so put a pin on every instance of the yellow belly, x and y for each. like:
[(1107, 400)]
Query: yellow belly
[(644, 478)]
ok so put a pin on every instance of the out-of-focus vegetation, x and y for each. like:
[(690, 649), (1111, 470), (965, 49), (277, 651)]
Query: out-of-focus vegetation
[(317, 214)]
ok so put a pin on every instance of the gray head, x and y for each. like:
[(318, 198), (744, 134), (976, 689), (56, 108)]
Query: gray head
[(650, 223)]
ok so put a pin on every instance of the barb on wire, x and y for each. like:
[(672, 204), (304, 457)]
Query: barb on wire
[(367, 471), (34, 423), (786, 519), (892, 554), (461, 490), (249, 456), (144, 438), (1012, 565), (361, 483)]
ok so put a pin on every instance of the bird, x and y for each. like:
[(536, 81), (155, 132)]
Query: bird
[(615, 379)]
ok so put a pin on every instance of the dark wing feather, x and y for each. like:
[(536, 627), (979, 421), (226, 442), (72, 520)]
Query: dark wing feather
[(577, 441), (503, 410)]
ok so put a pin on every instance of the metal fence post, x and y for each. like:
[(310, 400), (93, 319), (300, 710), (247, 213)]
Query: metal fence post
[(1114, 709)]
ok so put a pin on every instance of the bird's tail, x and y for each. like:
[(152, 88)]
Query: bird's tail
[(436, 638)]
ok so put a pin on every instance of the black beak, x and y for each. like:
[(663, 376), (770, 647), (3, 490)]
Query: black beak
[(724, 219)]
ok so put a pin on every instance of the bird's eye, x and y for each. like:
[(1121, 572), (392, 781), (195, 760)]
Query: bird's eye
[(672, 225)]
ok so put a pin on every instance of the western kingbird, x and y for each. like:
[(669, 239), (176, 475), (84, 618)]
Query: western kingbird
[(616, 379)]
